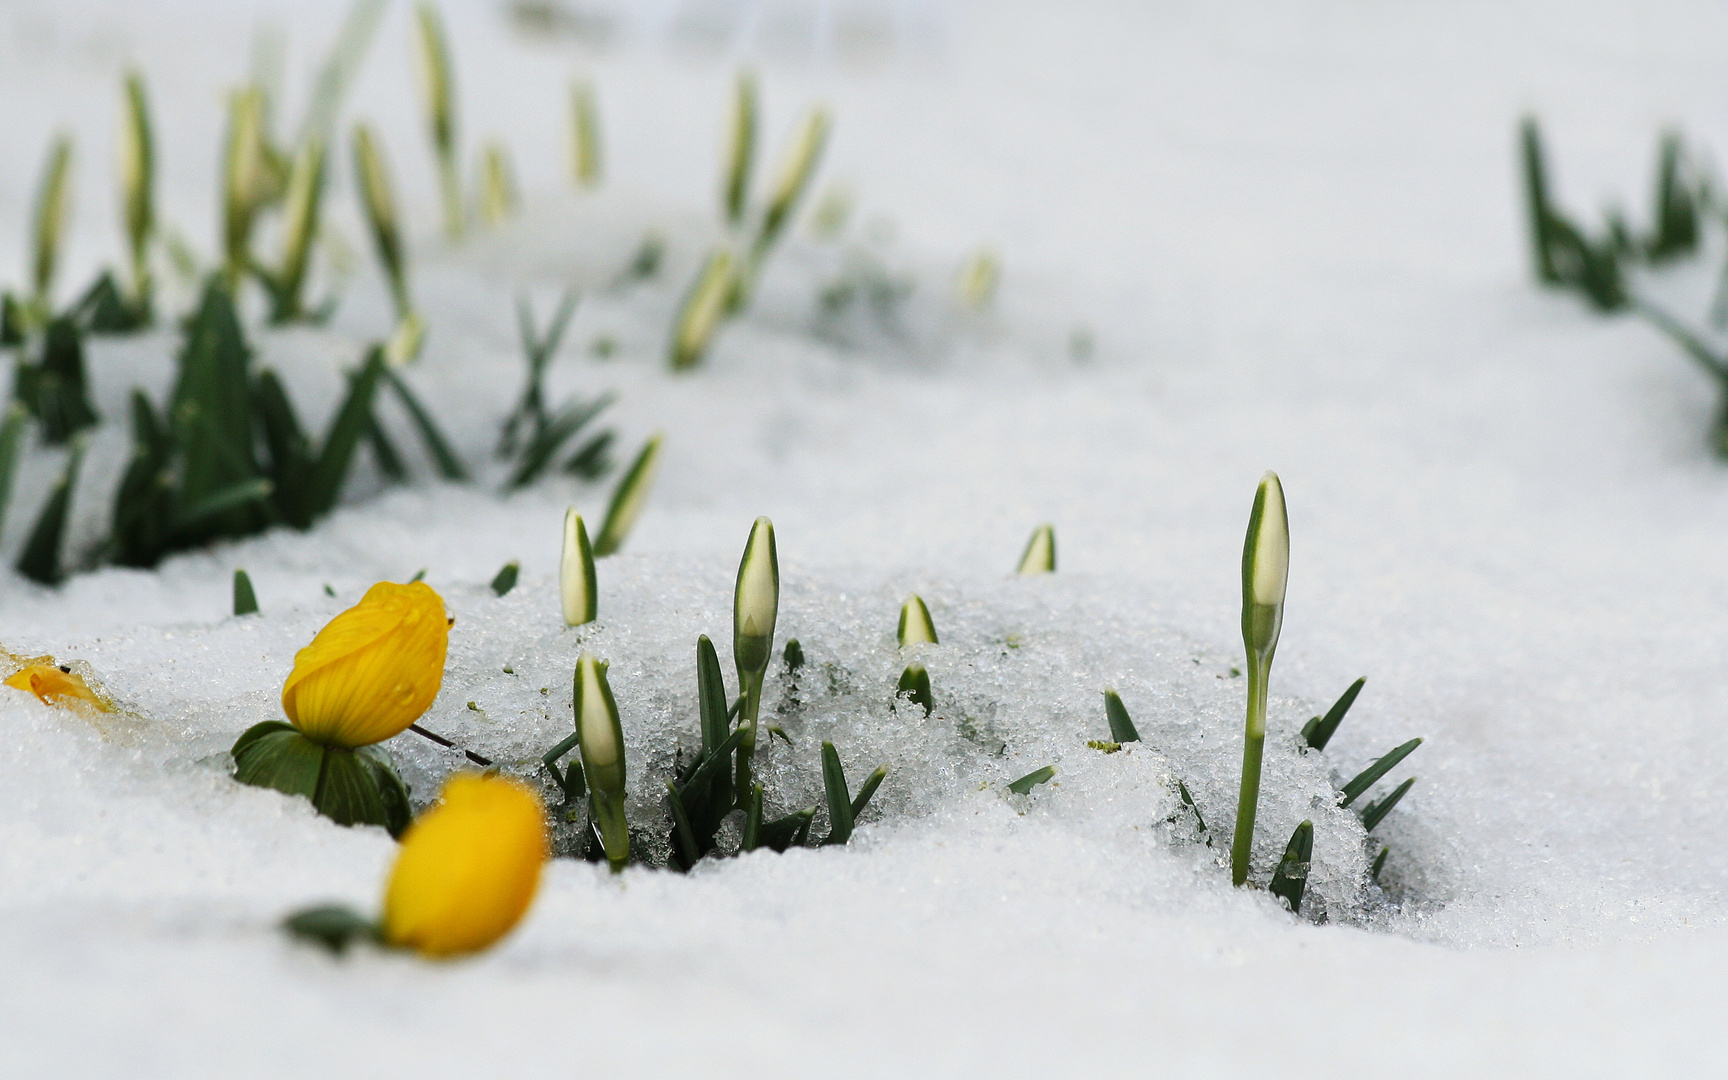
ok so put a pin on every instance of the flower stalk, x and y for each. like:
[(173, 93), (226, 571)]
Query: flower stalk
[(601, 739), (1265, 573), (755, 608)]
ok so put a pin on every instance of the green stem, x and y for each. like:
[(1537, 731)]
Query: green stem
[(751, 684), (1253, 743)]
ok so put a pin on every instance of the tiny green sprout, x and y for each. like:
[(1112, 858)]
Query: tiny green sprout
[(1536, 204), (578, 591), (1265, 572), (755, 609), (497, 186), (138, 185), (52, 208), (1040, 554), (702, 311), (628, 499), (1188, 801), (1104, 746), (979, 278), (794, 178), (585, 134), (506, 579), (793, 657), (1319, 731), (245, 600), (915, 625), (438, 82), (1379, 864), (1375, 812), (840, 822), (868, 789), (332, 926), (1121, 725), (741, 154), (601, 738), (1291, 877), (1367, 778), (1025, 784), (380, 202), (915, 687)]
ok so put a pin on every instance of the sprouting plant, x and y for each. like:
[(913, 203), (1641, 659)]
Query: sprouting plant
[(914, 686), (915, 625), (600, 736), (741, 149), (438, 81), (546, 433), (702, 311), (380, 202), (246, 181), (52, 210), (584, 134), (1122, 728), (497, 185), (1319, 731), (138, 190), (755, 608), (1291, 877), (40, 559), (702, 792), (628, 498), (1025, 784), (245, 600), (52, 383), (1040, 554), (505, 580), (1265, 571), (577, 587)]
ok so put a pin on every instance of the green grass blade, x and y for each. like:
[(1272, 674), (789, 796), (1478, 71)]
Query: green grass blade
[(1040, 554), (506, 579), (839, 799), (1291, 877), (1121, 726), (449, 465), (245, 600), (1379, 864), (714, 764), (735, 195), (11, 434), (1188, 800), (710, 694), (1025, 784), (687, 853), (50, 218), (346, 429), (1319, 731), (1375, 812), (1536, 204), (627, 500), (871, 783), (549, 439), (752, 838), (1366, 778), (40, 560)]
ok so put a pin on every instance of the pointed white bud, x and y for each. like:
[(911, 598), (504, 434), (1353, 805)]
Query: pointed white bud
[(1265, 567), (756, 601), (576, 583), (916, 628), (627, 499), (601, 738), (1040, 554)]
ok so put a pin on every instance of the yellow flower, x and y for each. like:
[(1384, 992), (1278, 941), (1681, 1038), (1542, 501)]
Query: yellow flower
[(51, 683), (468, 867), (373, 670)]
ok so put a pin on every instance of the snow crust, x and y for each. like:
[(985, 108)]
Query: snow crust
[(1291, 233)]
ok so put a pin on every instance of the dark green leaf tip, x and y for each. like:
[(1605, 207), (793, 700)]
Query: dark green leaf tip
[(1025, 784), (1291, 877), (245, 600), (506, 577), (1121, 726)]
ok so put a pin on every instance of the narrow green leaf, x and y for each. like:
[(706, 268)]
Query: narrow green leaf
[(1366, 778), (506, 579), (1121, 726), (686, 839), (346, 429), (793, 657), (50, 217), (245, 600), (1291, 877), (1379, 864), (340, 67), (1025, 784), (1536, 202), (1319, 731), (839, 798), (703, 310), (40, 560), (915, 685), (331, 925), (714, 764), (789, 831), (710, 694), (379, 200), (1188, 800), (246, 491), (627, 500), (916, 627), (752, 838), (591, 461), (551, 437), (865, 791), (384, 451), (1040, 554), (11, 432), (1375, 812), (735, 194), (449, 465)]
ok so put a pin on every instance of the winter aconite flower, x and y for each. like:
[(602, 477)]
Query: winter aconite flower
[(468, 868), (373, 670), (55, 684)]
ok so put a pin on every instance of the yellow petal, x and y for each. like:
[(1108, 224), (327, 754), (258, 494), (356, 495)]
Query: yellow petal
[(468, 868), (373, 670), (53, 684)]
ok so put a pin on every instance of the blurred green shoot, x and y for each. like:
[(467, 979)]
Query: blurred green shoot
[(792, 181), (138, 187), (628, 499), (1291, 877), (1319, 731), (584, 134), (843, 809), (1188, 801), (1366, 779), (702, 311), (578, 590), (979, 276), (1375, 812), (246, 181), (300, 227), (915, 625), (741, 148), (1379, 864), (1121, 726), (40, 559), (506, 578), (52, 383), (497, 186), (339, 70), (380, 201), (53, 203), (438, 81), (1676, 207), (1025, 784), (915, 687), (11, 440), (601, 738), (1265, 572), (1040, 554), (245, 600), (1536, 204), (755, 610)]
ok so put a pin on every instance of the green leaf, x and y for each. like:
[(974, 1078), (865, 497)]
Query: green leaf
[(449, 465), (11, 433), (40, 560), (346, 429), (789, 831), (551, 437), (212, 413), (1375, 812), (871, 783), (1025, 784), (710, 694), (793, 657), (331, 925), (592, 460), (1379, 863), (245, 600), (506, 579), (1366, 778), (276, 755), (1536, 202), (714, 764), (1319, 731), (384, 451), (290, 452), (839, 799), (627, 500), (915, 686), (398, 811), (1188, 800), (1291, 877), (348, 791), (257, 489), (681, 833), (1121, 727), (752, 838)]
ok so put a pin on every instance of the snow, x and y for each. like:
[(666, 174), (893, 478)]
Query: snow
[(1292, 232)]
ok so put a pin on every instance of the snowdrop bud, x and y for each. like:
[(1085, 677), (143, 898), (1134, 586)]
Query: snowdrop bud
[(305, 184), (1040, 554), (756, 601), (497, 185), (576, 585), (380, 203), (795, 174), (743, 147), (468, 869), (51, 212), (1265, 568), (601, 738), (627, 500), (915, 625), (703, 309), (244, 178), (137, 167)]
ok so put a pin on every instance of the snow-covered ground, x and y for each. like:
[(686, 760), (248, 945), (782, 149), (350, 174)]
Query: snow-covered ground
[(1292, 232)]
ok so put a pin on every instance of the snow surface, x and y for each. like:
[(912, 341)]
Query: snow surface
[(1292, 232)]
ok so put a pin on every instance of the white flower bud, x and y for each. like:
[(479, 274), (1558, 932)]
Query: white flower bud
[(576, 583)]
